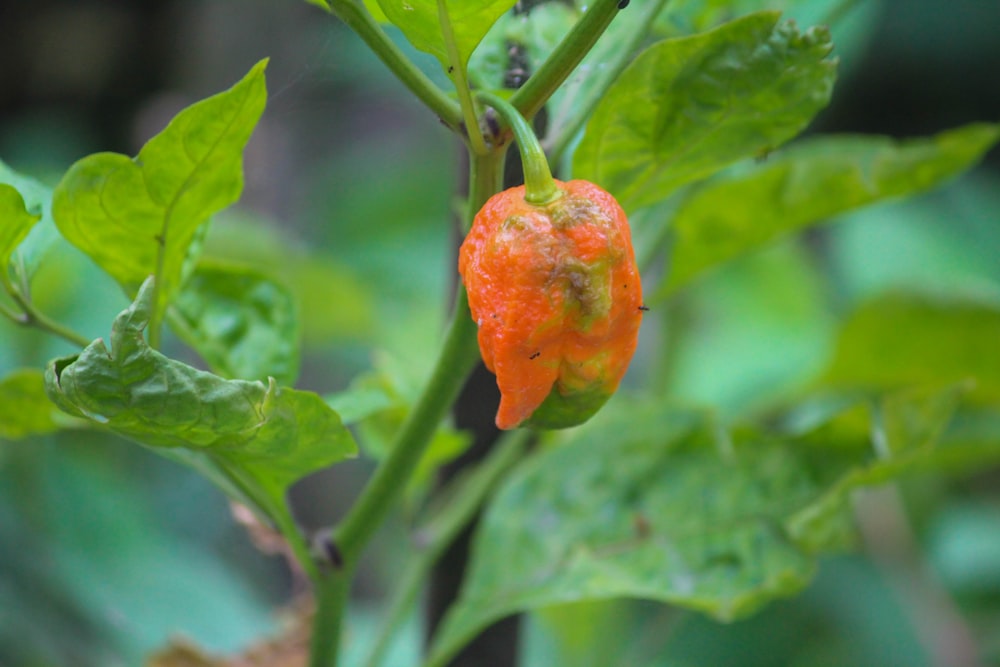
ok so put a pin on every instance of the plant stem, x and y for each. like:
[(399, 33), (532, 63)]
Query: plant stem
[(457, 358), (456, 71), (461, 501), (485, 180), (32, 317), (458, 355), (356, 17), (539, 186), (613, 69), (536, 91), (331, 603)]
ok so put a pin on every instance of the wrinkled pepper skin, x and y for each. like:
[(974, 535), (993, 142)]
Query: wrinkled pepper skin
[(555, 292)]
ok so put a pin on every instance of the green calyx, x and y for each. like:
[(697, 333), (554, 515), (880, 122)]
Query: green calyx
[(560, 410), (540, 188)]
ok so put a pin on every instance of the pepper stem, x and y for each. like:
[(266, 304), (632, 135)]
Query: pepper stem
[(539, 186)]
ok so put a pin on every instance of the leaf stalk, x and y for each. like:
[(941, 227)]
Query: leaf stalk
[(356, 17)]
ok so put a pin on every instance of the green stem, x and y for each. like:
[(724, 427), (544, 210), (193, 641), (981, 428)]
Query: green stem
[(32, 317), (268, 509), (457, 358), (457, 73), (563, 136), (461, 502), (539, 186), (10, 314), (532, 96), (356, 17), (485, 180), (331, 603)]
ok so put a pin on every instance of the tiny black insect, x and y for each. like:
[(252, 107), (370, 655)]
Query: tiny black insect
[(644, 308), (535, 355), (451, 68), (623, 4)]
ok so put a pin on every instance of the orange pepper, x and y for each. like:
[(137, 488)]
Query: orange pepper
[(555, 291)]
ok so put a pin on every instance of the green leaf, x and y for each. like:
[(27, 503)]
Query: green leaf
[(649, 505), (316, 281), (240, 321), (688, 16), (360, 402), (373, 8), (137, 217), (15, 222), (264, 437), (656, 503), (807, 183), (899, 340), (686, 108), (470, 21), (38, 202), (752, 333), (25, 410)]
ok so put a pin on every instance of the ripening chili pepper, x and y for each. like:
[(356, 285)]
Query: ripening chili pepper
[(554, 288), (556, 294)]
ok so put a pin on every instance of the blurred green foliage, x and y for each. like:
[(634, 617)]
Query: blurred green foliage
[(106, 551)]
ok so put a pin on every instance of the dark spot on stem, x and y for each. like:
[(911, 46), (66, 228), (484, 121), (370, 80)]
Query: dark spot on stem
[(493, 124), (623, 4), (329, 552)]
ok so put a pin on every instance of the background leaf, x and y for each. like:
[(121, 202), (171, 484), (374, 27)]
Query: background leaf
[(122, 211), (378, 404), (263, 436), (241, 322), (25, 410), (15, 222), (901, 339), (137, 573), (807, 183), (666, 505), (751, 335), (470, 21), (38, 202), (687, 16), (688, 107)]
